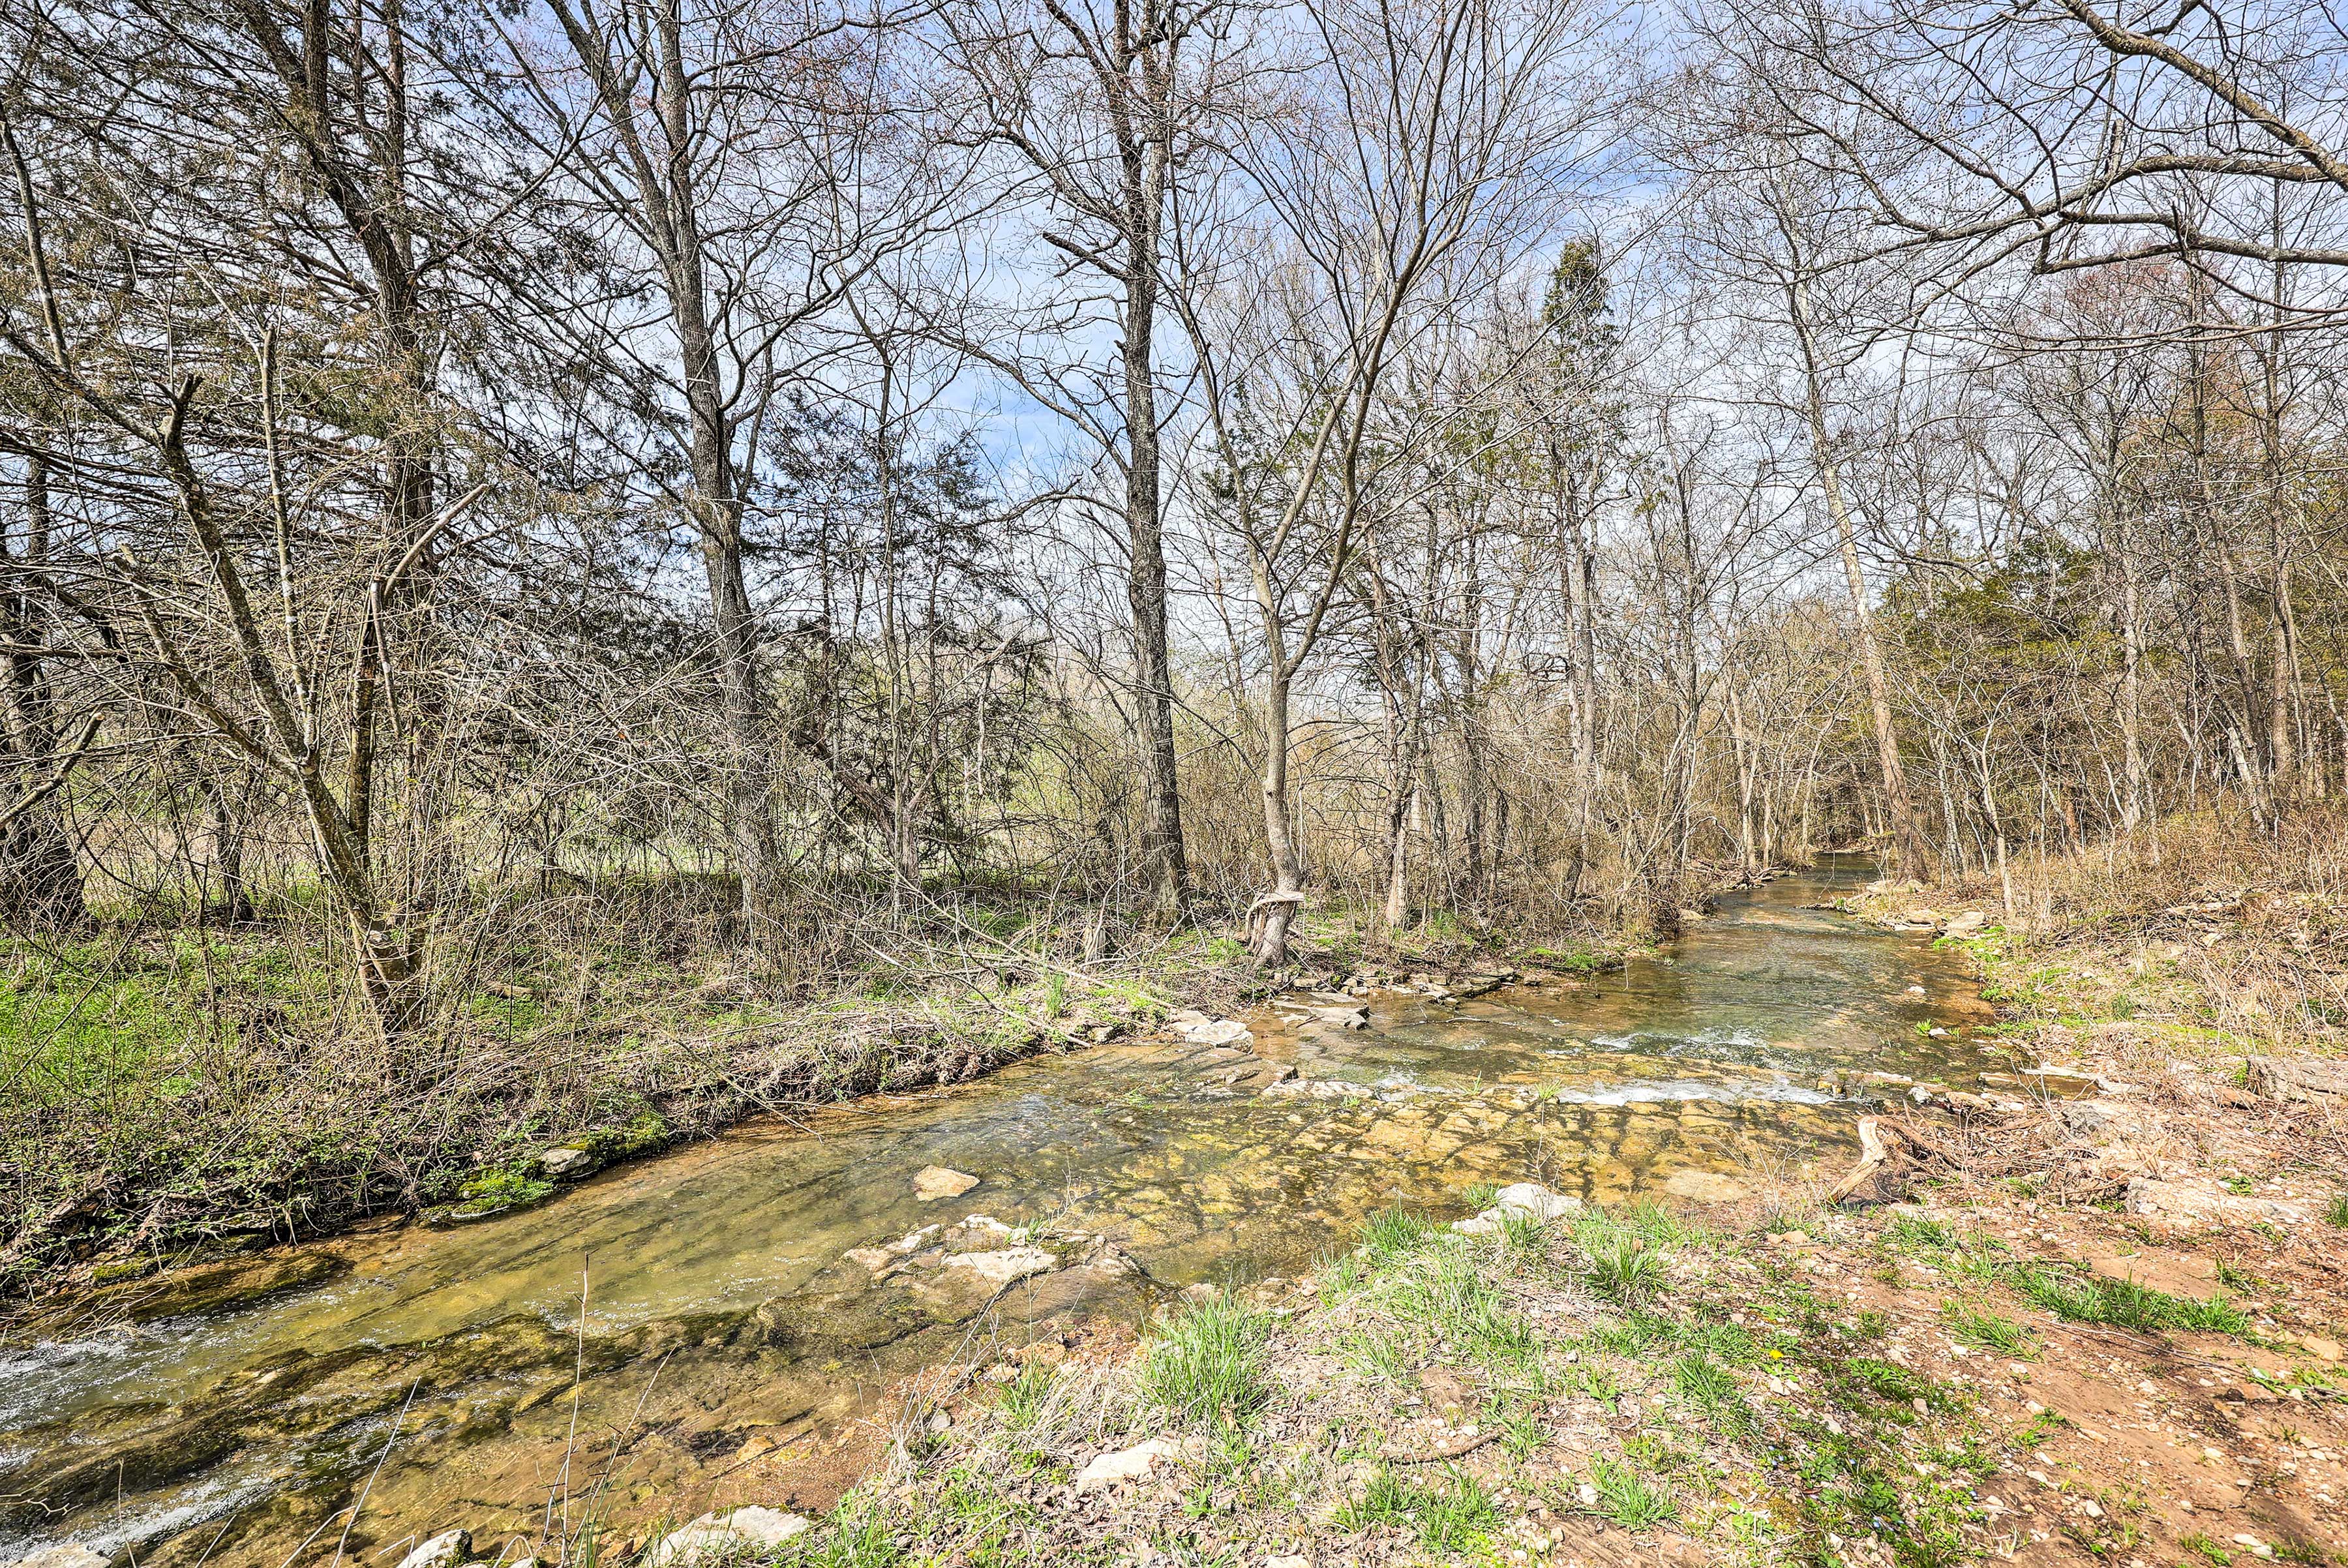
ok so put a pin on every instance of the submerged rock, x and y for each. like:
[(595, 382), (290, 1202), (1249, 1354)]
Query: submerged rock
[(932, 1183), (1317, 1089), (1343, 1017)]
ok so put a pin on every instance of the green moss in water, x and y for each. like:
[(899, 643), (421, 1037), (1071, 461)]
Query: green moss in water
[(491, 1192)]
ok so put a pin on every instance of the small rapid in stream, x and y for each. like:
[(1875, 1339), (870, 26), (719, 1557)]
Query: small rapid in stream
[(687, 1331)]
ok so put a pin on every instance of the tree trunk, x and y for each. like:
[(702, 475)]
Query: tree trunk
[(1277, 911), (1913, 856), (40, 871), (715, 505)]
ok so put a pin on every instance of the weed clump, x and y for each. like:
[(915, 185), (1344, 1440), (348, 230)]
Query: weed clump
[(1628, 1499), (2123, 1303), (1206, 1366), (1453, 1515)]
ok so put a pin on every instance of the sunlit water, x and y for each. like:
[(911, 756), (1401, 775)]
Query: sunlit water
[(1704, 1074)]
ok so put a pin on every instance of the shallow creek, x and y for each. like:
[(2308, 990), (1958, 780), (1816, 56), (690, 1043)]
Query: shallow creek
[(686, 1331)]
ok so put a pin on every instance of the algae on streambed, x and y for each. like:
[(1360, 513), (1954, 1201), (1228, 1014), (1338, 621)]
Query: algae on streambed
[(706, 1298)]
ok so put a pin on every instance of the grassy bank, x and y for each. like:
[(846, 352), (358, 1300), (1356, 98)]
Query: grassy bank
[(2199, 936), (1918, 1388)]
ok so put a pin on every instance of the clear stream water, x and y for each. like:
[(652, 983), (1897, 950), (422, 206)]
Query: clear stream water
[(717, 1315)]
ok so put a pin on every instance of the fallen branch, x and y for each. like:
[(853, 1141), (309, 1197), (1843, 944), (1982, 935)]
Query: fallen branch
[(1456, 1450), (56, 778), (1875, 1153)]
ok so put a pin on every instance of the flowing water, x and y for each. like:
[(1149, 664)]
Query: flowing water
[(685, 1331)]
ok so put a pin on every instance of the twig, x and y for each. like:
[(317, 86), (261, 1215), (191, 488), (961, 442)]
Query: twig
[(397, 1420)]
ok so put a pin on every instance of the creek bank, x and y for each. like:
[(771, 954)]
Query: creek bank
[(2086, 1308), (95, 1246), (1950, 1377)]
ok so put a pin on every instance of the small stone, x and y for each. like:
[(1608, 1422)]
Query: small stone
[(1287, 1561), (1121, 1465), (1219, 1032), (443, 1551), (563, 1164), (730, 1534), (1005, 1267), (764, 1526), (932, 1183), (1535, 1201), (2322, 1349), (1586, 1494), (72, 1554)]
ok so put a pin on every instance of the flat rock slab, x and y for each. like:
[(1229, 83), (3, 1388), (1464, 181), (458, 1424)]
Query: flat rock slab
[(2181, 1204), (1007, 1266), (2296, 1077), (932, 1183), (1705, 1186), (73, 1554), (2176, 1274)]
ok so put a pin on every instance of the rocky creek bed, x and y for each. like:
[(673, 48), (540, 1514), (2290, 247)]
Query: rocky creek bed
[(743, 1324)]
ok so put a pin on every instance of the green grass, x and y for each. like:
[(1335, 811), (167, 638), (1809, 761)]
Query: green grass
[(1206, 1366), (2123, 1304), (1394, 1234), (1989, 1331), (1377, 1353), (1023, 1396), (1450, 1516), (2335, 1212), (95, 1021), (1621, 1269), (1447, 1294), (1894, 1384), (1709, 1387), (1628, 1499)]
